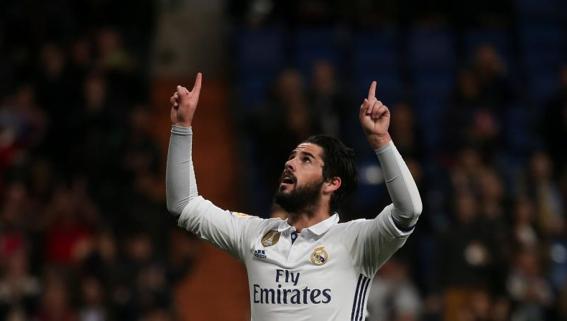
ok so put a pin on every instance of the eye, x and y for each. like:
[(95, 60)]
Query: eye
[(306, 160)]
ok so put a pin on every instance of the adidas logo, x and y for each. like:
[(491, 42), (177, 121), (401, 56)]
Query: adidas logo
[(261, 254)]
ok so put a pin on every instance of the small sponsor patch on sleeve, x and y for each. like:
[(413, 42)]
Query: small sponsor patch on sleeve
[(240, 215)]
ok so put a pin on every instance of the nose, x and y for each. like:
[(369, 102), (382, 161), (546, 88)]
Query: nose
[(289, 165)]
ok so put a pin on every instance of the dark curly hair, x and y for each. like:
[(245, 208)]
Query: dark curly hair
[(339, 162)]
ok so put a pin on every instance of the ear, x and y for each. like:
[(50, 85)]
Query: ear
[(332, 185)]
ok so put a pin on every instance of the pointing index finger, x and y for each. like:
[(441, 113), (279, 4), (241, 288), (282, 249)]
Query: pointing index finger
[(197, 86), (372, 90)]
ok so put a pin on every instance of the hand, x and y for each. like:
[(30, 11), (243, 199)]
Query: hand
[(184, 103), (375, 119)]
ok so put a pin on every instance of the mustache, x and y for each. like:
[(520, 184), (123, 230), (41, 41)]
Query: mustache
[(288, 175)]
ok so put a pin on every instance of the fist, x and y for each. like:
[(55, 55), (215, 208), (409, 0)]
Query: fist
[(184, 103), (375, 119)]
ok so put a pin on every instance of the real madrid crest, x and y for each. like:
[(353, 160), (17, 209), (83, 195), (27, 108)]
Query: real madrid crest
[(319, 256), (270, 238)]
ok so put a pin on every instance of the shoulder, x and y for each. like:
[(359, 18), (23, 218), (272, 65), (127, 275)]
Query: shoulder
[(344, 228), (256, 220), (272, 223), (261, 228), (352, 224), (243, 216)]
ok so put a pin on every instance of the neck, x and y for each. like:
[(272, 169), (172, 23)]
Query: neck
[(306, 218)]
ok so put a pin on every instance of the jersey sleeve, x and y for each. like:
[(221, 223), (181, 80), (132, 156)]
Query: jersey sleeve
[(373, 242), (230, 231), (225, 229)]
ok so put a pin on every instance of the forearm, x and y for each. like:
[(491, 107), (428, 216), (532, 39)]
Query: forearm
[(401, 187), (181, 186)]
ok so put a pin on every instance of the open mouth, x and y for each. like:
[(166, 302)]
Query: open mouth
[(287, 179)]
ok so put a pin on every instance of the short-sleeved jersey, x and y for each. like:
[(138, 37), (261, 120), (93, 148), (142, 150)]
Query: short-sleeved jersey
[(322, 273)]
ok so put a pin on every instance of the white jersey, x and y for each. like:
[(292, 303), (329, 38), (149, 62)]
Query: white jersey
[(322, 273)]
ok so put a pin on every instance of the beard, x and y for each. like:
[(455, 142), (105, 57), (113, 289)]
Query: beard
[(303, 198)]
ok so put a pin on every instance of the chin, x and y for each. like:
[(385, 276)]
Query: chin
[(294, 199), (286, 189)]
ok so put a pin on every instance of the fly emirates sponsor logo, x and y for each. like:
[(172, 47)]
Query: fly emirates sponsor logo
[(287, 292)]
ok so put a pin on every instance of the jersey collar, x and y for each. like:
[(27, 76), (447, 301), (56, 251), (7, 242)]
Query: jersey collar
[(317, 229)]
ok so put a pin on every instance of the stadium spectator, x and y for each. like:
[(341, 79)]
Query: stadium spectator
[(394, 297)]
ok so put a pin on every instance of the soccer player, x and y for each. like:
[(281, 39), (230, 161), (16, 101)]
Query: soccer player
[(310, 266)]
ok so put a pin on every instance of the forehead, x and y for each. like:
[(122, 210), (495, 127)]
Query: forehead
[(310, 148)]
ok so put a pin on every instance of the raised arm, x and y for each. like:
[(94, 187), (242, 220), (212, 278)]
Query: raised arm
[(223, 228), (181, 186), (375, 121)]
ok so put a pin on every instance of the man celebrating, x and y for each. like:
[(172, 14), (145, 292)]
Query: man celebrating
[(310, 266)]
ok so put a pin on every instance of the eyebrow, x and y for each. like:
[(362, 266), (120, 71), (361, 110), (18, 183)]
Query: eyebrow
[(293, 152), (309, 154)]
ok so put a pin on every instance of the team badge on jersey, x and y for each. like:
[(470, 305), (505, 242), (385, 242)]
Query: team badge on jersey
[(270, 238), (319, 256)]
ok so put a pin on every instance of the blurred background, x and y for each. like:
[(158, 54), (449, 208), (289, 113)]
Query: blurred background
[(478, 93)]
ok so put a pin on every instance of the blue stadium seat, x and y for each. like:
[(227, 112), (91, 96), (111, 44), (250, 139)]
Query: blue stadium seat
[(429, 111), (431, 91), (312, 45), (518, 130), (562, 11), (390, 86), (432, 62), (536, 59), (543, 84), (259, 51), (370, 182), (375, 56), (544, 34), (498, 38), (542, 54), (433, 84), (260, 55), (252, 91), (431, 48), (538, 9), (376, 49)]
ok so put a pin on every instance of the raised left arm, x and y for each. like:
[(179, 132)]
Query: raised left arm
[(375, 121)]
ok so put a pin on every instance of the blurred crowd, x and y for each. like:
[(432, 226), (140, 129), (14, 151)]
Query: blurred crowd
[(84, 233)]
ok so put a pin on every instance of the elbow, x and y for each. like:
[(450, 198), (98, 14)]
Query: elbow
[(410, 213), (410, 207), (175, 208), (414, 211), (414, 205), (417, 207), (174, 201), (176, 205)]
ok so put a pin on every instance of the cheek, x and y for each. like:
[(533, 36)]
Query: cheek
[(310, 176)]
